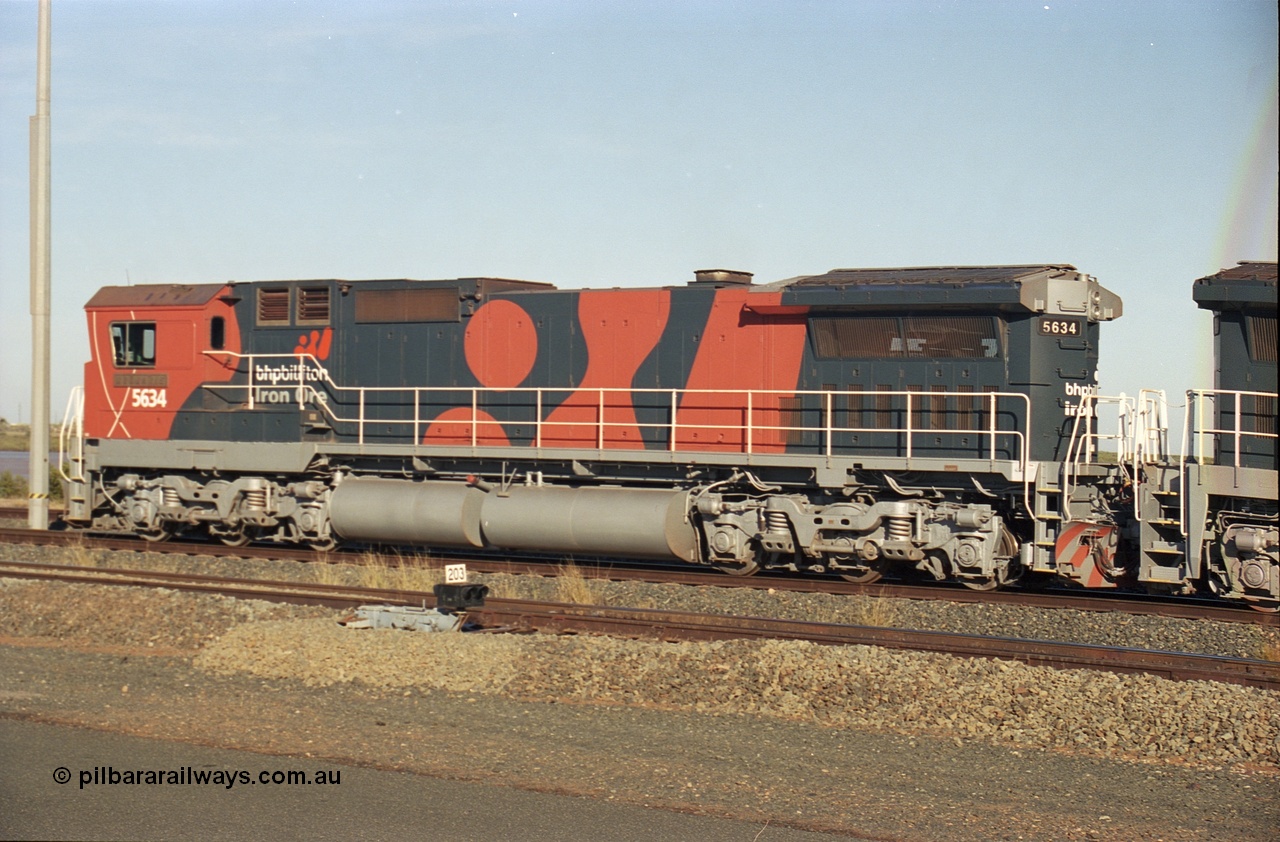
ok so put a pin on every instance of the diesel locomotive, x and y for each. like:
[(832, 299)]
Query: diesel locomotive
[(940, 420)]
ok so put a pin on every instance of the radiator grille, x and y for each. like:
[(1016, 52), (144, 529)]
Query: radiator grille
[(407, 305)]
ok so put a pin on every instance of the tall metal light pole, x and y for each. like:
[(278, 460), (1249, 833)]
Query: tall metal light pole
[(38, 502)]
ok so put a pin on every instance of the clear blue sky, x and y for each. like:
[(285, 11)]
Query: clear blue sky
[(629, 143)]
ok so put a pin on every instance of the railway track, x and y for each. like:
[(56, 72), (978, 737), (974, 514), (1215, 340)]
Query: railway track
[(559, 618), (626, 570)]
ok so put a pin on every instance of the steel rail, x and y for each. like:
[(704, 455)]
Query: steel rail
[(674, 625), (631, 570), (562, 618), (20, 513)]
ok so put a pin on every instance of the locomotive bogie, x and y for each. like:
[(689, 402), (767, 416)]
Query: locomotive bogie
[(947, 540), (159, 506), (1249, 564)]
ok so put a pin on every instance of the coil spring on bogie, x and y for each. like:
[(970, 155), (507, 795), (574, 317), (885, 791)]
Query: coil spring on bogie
[(899, 529), (255, 498), (171, 498), (775, 521)]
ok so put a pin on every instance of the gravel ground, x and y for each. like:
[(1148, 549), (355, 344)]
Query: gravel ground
[(996, 701), (1140, 726), (867, 784), (839, 687)]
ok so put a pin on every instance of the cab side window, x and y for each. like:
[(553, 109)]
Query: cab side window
[(133, 344)]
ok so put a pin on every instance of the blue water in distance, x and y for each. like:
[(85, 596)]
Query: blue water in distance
[(18, 462)]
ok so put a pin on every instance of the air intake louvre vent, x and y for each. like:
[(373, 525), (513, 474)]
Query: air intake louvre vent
[(273, 306), (313, 305), (1262, 338)]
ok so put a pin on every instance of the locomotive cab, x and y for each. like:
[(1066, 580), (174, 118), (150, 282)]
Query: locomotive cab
[(148, 356)]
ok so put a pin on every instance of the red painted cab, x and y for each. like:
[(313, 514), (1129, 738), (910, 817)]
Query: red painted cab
[(149, 352)]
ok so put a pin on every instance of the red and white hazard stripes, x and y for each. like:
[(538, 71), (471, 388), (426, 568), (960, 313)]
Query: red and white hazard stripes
[(1085, 552)]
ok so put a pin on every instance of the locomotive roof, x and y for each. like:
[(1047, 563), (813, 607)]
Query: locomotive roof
[(171, 295), (1051, 288), (486, 284), (197, 295), (1037, 288), (1250, 284), (1248, 270), (954, 275)]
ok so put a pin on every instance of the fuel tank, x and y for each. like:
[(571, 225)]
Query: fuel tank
[(647, 523)]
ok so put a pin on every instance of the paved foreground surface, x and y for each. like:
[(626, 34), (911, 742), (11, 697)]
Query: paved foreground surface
[(354, 803), (764, 774)]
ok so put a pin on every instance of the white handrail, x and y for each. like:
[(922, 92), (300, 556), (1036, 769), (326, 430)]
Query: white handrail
[(305, 371), (1149, 445), (1083, 446), (1198, 400), (1195, 429), (72, 433)]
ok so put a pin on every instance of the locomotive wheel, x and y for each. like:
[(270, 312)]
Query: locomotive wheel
[(156, 537), (747, 568), (1265, 608), (1008, 548), (866, 577), (232, 539), (988, 584), (326, 546)]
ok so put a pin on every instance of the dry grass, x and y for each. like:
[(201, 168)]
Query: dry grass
[(573, 587), (1270, 649), (328, 573), (871, 611), (500, 588), (79, 555), (406, 573), (400, 572)]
